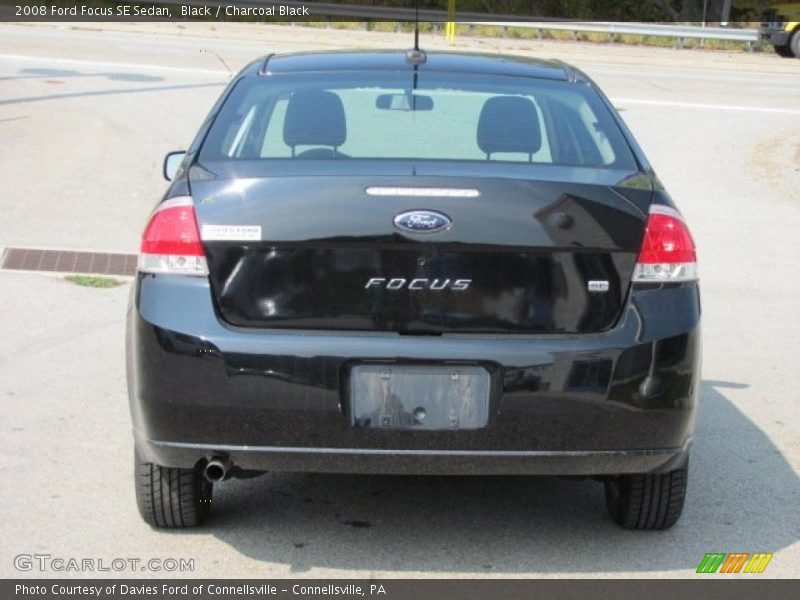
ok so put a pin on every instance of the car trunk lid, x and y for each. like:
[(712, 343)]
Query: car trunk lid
[(326, 252)]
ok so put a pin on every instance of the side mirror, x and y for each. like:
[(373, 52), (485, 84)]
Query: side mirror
[(172, 163)]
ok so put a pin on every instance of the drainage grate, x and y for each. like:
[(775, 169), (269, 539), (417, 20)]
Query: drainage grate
[(68, 261)]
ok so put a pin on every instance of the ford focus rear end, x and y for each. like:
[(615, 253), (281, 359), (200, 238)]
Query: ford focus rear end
[(455, 265)]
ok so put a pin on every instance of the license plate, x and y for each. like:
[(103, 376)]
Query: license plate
[(419, 397)]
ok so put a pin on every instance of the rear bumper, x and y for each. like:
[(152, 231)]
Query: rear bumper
[(623, 401), (419, 462)]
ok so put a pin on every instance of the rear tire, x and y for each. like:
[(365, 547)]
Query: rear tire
[(794, 43), (784, 51), (647, 501), (171, 498)]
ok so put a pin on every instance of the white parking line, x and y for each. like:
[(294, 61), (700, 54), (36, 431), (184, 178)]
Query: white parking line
[(221, 73), (702, 106), (790, 79), (113, 65)]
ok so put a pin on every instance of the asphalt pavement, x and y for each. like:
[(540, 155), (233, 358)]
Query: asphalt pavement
[(86, 116)]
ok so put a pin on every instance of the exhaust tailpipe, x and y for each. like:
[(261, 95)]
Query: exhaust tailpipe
[(217, 469)]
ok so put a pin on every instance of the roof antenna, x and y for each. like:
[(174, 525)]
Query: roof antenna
[(416, 56), (416, 26)]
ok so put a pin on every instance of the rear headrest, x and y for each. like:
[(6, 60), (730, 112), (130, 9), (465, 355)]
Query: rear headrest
[(314, 118), (509, 124)]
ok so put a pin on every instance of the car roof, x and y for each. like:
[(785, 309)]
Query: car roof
[(394, 60)]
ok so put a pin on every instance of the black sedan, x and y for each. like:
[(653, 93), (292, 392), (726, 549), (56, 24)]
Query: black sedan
[(392, 262)]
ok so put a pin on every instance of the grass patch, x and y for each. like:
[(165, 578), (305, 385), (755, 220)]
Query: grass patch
[(93, 281), (385, 26), (352, 25)]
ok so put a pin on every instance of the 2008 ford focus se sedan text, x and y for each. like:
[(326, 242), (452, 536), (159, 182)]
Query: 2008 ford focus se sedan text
[(394, 262)]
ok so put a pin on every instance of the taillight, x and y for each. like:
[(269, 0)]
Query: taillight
[(667, 253), (171, 240)]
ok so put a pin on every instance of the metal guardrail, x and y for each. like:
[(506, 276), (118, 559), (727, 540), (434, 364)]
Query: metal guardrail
[(381, 13), (341, 11), (643, 29)]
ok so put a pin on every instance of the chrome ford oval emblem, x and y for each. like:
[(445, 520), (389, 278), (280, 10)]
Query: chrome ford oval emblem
[(422, 221)]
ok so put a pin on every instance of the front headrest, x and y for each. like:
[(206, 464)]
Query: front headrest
[(509, 124), (314, 118)]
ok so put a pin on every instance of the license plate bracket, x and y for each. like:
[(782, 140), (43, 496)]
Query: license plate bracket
[(419, 397)]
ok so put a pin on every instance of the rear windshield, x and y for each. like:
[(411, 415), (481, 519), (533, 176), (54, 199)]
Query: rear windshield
[(430, 116)]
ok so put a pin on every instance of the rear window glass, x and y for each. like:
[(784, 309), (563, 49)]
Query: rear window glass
[(433, 116)]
